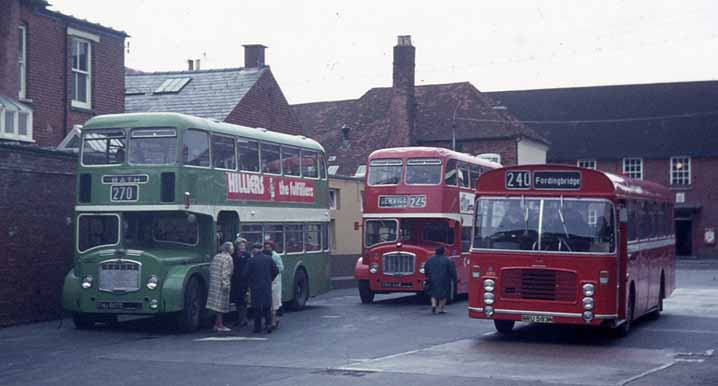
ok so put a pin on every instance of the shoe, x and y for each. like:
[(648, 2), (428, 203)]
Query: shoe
[(269, 330), (433, 310), (222, 329), (442, 312)]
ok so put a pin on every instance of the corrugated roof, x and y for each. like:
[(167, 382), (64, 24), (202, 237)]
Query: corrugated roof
[(208, 94)]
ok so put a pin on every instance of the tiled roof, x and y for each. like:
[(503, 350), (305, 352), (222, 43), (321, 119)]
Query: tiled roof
[(84, 22), (368, 121), (208, 94), (641, 120)]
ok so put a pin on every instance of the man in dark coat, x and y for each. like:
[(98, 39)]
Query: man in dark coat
[(440, 276), (261, 270), (239, 281)]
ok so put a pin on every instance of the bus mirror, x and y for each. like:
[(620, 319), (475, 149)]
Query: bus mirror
[(357, 226), (623, 215)]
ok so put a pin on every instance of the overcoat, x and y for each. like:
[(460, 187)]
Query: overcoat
[(239, 278), (439, 271), (220, 275), (277, 282), (261, 270)]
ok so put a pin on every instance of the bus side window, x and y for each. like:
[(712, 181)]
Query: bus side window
[(322, 167), (450, 173), (465, 239), (271, 160), (223, 154), (463, 175), (309, 164), (248, 155), (632, 221), (290, 161), (476, 171), (195, 150)]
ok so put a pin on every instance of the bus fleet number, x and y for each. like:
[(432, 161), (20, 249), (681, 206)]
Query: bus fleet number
[(124, 193), (518, 179)]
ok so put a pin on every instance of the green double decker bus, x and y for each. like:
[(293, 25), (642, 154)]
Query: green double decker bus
[(157, 193)]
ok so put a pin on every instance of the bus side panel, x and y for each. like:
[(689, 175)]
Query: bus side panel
[(71, 292), (176, 282)]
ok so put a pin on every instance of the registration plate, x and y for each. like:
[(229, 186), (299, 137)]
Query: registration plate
[(394, 284), (120, 193), (537, 318), (118, 306)]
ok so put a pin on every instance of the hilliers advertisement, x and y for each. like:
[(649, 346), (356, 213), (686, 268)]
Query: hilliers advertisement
[(257, 187)]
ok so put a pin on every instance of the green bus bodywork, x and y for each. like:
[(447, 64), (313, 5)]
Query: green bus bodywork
[(200, 195)]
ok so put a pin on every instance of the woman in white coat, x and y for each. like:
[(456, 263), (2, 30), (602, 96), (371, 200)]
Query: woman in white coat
[(276, 283)]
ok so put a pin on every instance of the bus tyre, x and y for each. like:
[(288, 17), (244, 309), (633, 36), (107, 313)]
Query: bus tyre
[(301, 290), (504, 327), (365, 293), (659, 307), (83, 321), (623, 330), (188, 319)]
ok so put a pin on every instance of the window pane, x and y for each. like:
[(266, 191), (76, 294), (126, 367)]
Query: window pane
[(463, 175), (437, 231), (175, 229), (310, 161), (248, 155), (21, 44), (81, 87), (294, 238), (291, 160), (75, 55), (9, 121), (252, 233), (385, 172), (380, 231), (223, 152), (325, 237), (476, 172), (423, 171), (312, 241), (450, 173), (97, 230), (270, 159), (276, 234), (22, 124), (322, 167), (83, 56), (465, 239), (103, 147), (195, 150), (153, 146)]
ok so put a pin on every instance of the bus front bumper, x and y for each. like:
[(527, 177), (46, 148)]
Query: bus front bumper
[(532, 316)]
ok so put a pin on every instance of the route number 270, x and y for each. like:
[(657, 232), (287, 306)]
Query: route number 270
[(518, 179)]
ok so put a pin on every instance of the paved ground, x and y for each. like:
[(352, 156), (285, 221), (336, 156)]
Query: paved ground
[(396, 341)]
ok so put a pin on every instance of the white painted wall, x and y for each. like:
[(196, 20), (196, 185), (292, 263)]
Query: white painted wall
[(531, 152)]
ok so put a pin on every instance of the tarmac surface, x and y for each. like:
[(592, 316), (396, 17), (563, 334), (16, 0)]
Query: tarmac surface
[(396, 341)]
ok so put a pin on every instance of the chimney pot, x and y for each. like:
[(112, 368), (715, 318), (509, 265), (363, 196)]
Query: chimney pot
[(254, 55), (403, 40), (190, 64), (196, 64)]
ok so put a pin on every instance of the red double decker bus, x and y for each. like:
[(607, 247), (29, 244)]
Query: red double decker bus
[(416, 199), (560, 244)]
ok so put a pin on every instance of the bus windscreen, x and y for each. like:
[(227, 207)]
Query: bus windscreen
[(545, 224), (153, 146)]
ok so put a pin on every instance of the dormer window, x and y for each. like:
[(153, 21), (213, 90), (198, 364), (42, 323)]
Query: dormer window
[(15, 120)]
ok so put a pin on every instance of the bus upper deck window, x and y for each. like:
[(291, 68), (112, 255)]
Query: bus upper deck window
[(195, 150), (291, 161), (223, 152), (271, 160), (310, 161), (463, 175), (423, 171), (103, 147), (451, 173), (385, 172), (248, 155)]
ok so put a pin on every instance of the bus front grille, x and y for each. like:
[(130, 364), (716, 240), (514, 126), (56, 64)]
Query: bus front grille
[(398, 264), (538, 284), (119, 275)]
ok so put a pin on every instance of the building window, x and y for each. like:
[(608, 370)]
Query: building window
[(493, 157), (22, 62), (333, 199), (333, 169), (361, 171), (681, 171), (81, 73), (15, 120), (586, 163), (633, 168)]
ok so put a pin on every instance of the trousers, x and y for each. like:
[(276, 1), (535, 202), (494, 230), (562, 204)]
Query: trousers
[(259, 313)]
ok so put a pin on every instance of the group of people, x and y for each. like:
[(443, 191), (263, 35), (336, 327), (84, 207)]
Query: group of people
[(234, 272)]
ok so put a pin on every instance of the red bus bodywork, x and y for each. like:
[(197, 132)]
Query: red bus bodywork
[(396, 264), (535, 285)]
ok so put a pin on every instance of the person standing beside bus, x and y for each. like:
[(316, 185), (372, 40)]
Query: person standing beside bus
[(261, 270), (276, 283), (220, 275), (441, 274), (239, 281)]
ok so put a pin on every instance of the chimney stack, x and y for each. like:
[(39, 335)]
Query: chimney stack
[(196, 64), (403, 75), (190, 65), (254, 55)]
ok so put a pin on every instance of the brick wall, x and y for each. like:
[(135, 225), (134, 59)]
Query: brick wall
[(265, 106), (8, 47), (505, 147), (37, 196)]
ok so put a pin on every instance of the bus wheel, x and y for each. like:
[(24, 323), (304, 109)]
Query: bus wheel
[(301, 290), (365, 293), (659, 307), (623, 330), (189, 318), (83, 321), (504, 326)]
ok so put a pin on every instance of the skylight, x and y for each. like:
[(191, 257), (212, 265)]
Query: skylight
[(172, 85)]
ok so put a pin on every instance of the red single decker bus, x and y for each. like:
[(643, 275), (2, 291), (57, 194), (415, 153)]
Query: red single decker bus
[(560, 244), (416, 199)]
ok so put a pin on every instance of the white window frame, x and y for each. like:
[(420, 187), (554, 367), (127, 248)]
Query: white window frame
[(15, 135), (333, 203), (687, 170), (493, 157), (627, 164), (587, 163), (88, 85), (22, 63)]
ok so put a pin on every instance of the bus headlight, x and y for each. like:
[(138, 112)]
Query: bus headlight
[(588, 289), (587, 303), (152, 282), (488, 310), (489, 285), (87, 281), (154, 304), (488, 298), (373, 269), (421, 269)]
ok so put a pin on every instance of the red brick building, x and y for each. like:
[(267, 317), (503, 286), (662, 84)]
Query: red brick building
[(444, 115), (56, 71), (667, 133), (248, 96)]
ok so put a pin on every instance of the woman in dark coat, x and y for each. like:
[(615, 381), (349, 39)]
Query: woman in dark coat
[(261, 270), (239, 281), (440, 274)]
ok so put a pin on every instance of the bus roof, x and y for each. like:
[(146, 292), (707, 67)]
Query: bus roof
[(598, 182), (183, 121), (425, 152)]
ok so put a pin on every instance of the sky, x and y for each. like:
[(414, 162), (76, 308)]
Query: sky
[(331, 50)]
